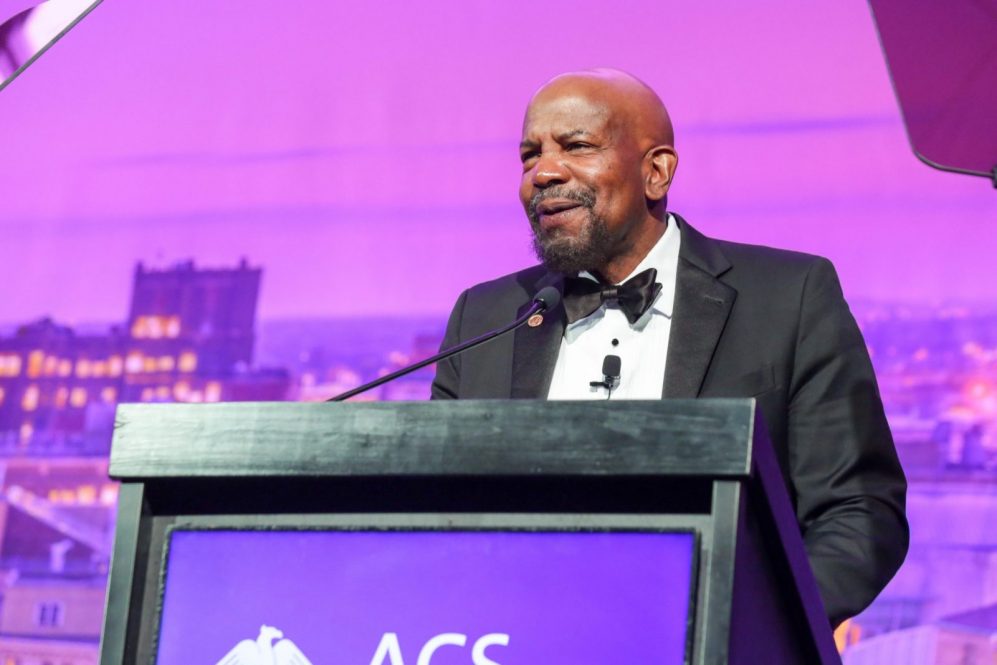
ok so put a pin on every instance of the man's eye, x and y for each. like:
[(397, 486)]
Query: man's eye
[(527, 156), (578, 145)]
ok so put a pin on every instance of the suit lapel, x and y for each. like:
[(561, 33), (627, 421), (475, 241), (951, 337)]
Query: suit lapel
[(535, 349), (702, 305)]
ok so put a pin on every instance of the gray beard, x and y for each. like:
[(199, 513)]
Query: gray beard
[(589, 250)]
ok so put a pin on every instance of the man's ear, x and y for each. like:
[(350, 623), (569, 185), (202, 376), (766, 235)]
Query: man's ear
[(660, 164)]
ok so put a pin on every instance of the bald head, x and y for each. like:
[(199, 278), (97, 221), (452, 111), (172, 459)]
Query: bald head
[(628, 100), (598, 160)]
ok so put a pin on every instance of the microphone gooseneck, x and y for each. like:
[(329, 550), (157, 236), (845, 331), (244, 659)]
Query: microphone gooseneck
[(545, 300)]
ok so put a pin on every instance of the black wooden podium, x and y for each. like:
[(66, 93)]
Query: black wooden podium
[(703, 466)]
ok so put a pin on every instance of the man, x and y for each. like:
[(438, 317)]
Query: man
[(694, 317)]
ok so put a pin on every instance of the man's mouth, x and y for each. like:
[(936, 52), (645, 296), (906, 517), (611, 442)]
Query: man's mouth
[(555, 206), (555, 211)]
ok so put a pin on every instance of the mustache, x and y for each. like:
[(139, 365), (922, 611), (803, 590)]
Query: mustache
[(583, 197)]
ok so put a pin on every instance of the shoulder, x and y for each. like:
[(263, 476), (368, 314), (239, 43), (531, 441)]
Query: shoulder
[(764, 277), (748, 264), (771, 261)]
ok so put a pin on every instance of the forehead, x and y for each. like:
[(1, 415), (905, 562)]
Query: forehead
[(555, 115)]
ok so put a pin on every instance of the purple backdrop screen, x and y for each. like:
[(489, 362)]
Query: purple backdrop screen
[(458, 596)]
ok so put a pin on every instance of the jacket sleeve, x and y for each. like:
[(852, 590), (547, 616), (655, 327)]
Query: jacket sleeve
[(849, 485), (446, 383)]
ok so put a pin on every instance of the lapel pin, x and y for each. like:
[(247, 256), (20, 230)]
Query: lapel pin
[(535, 320)]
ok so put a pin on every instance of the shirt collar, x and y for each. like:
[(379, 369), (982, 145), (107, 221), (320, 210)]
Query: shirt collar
[(663, 257)]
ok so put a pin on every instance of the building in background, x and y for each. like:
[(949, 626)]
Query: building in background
[(189, 337)]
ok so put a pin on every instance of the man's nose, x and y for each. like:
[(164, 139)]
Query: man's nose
[(549, 171)]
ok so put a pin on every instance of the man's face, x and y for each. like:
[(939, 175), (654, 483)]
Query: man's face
[(582, 186)]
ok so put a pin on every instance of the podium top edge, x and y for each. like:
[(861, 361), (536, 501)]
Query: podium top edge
[(708, 437)]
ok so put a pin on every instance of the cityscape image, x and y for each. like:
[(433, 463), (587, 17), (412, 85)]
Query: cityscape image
[(205, 205), (192, 336)]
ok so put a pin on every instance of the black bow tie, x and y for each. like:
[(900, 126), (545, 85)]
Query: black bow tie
[(583, 296)]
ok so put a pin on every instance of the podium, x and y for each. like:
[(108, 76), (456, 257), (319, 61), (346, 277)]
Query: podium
[(467, 532)]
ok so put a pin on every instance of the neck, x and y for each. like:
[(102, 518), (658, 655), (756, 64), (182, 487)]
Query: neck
[(625, 262)]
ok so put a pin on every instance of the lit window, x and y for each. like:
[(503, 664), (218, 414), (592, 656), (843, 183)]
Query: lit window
[(65, 367), (181, 390), (188, 361), (163, 393), (1, 394), (83, 368), (10, 365), (51, 364), (29, 401), (149, 364), (109, 394), (86, 495), (27, 429), (147, 394), (78, 397), (61, 397), (108, 494), (212, 391), (173, 326), (134, 363), (99, 368), (166, 363), (35, 360), (114, 366), (138, 327), (152, 327)]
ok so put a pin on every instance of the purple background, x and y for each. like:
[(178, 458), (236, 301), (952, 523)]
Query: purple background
[(562, 598), (366, 153), (364, 157)]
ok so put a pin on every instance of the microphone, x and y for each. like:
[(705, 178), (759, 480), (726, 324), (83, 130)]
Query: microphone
[(610, 374), (545, 300)]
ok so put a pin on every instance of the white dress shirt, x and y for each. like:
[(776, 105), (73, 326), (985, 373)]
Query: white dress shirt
[(642, 347)]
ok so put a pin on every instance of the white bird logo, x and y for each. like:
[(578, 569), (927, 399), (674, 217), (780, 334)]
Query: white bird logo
[(263, 651)]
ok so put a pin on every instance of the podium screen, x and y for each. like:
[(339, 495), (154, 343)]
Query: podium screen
[(425, 597)]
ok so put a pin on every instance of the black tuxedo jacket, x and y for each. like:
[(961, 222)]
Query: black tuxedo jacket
[(748, 321)]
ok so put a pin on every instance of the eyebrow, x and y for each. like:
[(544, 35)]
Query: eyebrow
[(560, 138)]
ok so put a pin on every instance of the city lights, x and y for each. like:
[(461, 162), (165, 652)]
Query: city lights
[(78, 397), (181, 390), (35, 361), (29, 401), (213, 392), (10, 365), (156, 327), (188, 361), (133, 365)]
